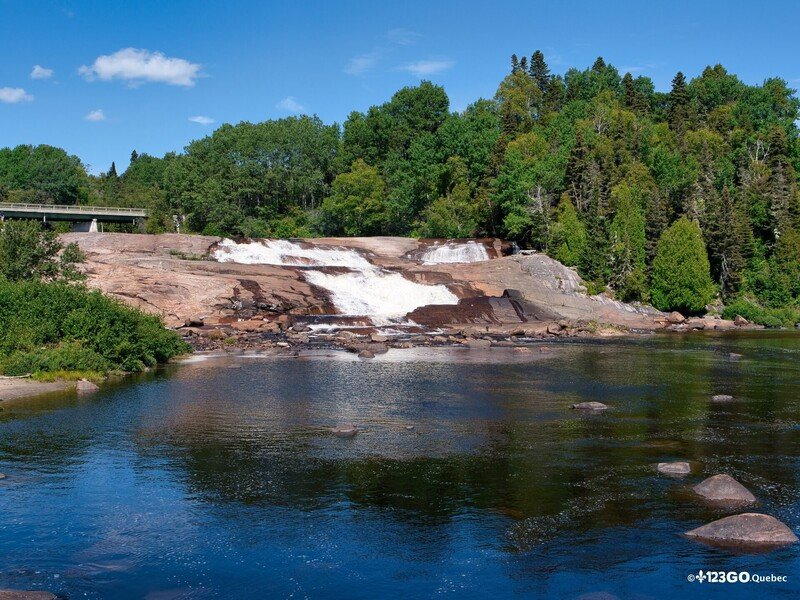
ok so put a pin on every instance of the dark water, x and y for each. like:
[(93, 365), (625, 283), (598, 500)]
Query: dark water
[(219, 480)]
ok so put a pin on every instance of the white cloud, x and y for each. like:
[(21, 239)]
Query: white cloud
[(358, 65), (202, 120), (96, 115), (13, 95), (423, 68), (40, 72), (402, 37), (136, 66), (291, 105)]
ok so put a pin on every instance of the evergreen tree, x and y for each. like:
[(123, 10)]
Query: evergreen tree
[(678, 104), (681, 276), (539, 71), (112, 172), (514, 63), (134, 156), (628, 241), (523, 64), (568, 235), (596, 258), (599, 65), (729, 240), (555, 94), (657, 220)]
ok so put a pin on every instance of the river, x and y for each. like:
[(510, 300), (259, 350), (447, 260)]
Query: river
[(470, 476)]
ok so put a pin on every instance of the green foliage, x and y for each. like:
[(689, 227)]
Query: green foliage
[(358, 204), (43, 175), (769, 317), (29, 252), (628, 242), (58, 326), (681, 275), (568, 240)]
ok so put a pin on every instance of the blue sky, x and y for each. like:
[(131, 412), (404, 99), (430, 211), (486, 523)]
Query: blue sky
[(114, 76)]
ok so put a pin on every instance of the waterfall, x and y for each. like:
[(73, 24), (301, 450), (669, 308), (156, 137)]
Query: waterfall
[(365, 290), (455, 252)]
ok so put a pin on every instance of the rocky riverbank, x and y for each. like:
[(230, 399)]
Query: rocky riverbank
[(337, 292)]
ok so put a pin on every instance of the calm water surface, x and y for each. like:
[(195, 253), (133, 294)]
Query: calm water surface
[(218, 479)]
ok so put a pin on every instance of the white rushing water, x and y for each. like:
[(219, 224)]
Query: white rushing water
[(366, 290), (455, 252)]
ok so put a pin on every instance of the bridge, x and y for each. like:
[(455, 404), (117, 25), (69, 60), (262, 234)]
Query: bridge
[(84, 218)]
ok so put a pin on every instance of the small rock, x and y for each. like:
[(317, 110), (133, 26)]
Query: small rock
[(748, 529), (478, 344), (674, 468), (86, 387), (26, 595), (409, 427), (589, 406), (522, 350), (554, 328), (675, 318), (740, 321), (366, 354), (379, 337), (282, 344), (734, 356), (3, 476), (194, 322), (721, 398), (342, 431), (723, 488)]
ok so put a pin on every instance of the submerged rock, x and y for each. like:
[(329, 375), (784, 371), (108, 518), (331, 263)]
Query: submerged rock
[(748, 529), (26, 595), (3, 475), (674, 468), (366, 354), (86, 387), (734, 356), (721, 398), (589, 406), (724, 488), (341, 431)]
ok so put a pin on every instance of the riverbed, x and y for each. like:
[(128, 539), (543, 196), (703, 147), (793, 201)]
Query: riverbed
[(470, 476)]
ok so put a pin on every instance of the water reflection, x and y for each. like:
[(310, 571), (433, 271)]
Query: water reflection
[(211, 481)]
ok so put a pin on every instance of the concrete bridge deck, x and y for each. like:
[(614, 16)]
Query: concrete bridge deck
[(74, 213)]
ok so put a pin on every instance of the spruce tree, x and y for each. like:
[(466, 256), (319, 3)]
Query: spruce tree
[(594, 265), (681, 276), (599, 65), (523, 63), (628, 240), (134, 156), (514, 63), (539, 71), (678, 104), (112, 172), (657, 220), (628, 92)]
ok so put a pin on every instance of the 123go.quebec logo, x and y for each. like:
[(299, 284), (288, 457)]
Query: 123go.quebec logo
[(707, 576)]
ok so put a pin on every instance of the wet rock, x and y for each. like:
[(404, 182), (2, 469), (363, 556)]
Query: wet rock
[(379, 337), (695, 323), (721, 398), (675, 318), (86, 387), (3, 475), (26, 595), (478, 344), (723, 488), (366, 354), (734, 356), (522, 350), (674, 468), (282, 344), (740, 321), (409, 427), (747, 529), (589, 406), (343, 431)]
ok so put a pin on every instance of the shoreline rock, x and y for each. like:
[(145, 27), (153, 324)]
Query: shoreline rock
[(746, 529)]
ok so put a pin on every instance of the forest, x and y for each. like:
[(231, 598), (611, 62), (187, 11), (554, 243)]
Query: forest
[(683, 199)]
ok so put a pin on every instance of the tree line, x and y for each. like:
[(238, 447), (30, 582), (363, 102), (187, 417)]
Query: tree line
[(673, 198)]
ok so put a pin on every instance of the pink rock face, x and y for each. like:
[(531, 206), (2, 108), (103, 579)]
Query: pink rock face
[(747, 529), (723, 488)]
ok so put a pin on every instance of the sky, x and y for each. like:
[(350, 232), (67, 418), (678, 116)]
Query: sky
[(100, 79)]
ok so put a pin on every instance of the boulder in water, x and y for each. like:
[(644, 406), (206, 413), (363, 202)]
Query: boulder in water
[(379, 337), (3, 475), (26, 595), (721, 398), (342, 431), (674, 468), (747, 529), (85, 386), (734, 356), (724, 489), (589, 406), (366, 354)]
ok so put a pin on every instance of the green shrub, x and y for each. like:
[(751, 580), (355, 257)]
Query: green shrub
[(57, 326), (769, 317), (681, 272)]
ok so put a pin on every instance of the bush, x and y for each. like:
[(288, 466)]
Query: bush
[(54, 326), (769, 317), (681, 273)]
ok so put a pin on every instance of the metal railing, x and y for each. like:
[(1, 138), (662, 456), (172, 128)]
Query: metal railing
[(73, 209)]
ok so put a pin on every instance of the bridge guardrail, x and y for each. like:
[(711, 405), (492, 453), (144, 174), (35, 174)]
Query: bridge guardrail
[(73, 209)]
